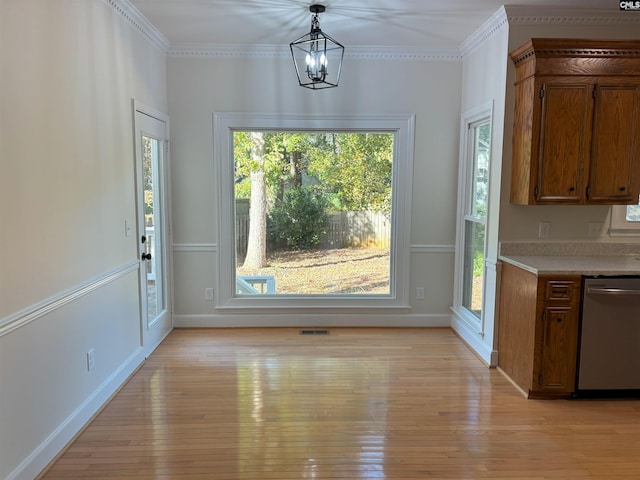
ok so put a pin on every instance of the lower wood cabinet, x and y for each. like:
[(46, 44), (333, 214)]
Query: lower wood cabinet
[(538, 331)]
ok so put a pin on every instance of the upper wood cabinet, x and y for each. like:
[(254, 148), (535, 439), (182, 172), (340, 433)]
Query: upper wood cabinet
[(576, 134)]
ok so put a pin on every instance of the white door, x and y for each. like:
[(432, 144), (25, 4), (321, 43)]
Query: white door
[(151, 144)]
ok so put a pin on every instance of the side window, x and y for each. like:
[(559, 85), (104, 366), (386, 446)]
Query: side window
[(475, 217), (625, 220), (473, 187)]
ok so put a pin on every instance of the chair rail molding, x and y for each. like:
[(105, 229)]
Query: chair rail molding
[(34, 312)]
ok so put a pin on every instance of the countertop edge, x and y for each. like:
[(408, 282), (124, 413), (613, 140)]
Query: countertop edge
[(590, 265)]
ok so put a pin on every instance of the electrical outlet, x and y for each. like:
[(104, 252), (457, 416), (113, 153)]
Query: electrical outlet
[(420, 293), (90, 360), (595, 229), (543, 229), (208, 294)]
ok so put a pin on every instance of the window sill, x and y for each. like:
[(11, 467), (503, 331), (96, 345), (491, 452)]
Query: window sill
[(624, 232)]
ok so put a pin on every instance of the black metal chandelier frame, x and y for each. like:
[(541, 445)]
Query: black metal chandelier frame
[(316, 56)]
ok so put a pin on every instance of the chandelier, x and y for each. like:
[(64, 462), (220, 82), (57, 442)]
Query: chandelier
[(316, 56)]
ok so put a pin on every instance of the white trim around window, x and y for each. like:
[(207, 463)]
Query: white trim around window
[(470, 118), (620, 226), (402, 126)]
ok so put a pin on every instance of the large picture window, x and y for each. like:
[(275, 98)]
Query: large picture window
[(313, 210)]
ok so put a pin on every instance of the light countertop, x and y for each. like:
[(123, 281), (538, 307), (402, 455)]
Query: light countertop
[(573, 258), (576, 264)]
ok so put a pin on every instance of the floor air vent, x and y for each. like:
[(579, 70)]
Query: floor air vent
[(314, 332)]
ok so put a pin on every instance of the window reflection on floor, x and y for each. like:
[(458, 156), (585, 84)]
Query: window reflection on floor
[(275, 398)]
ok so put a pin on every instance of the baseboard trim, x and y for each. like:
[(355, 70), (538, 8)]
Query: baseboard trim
[(50, 448), (474, 340), (523, 392), (312, 320)]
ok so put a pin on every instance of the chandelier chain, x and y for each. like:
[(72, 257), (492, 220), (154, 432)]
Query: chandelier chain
[(315, 23)]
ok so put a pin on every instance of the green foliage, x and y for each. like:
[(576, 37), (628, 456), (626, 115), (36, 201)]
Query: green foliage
[(357, 167), (478, 264), (300, 219), (243, 163), (353, 170)]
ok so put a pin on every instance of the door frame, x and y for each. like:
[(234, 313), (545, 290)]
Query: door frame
[(152, 334)]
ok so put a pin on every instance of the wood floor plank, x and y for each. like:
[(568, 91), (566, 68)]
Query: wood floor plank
[(242, 404)]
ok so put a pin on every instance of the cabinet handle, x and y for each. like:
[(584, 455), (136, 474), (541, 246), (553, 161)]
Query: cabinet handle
[(559, 320), (572, 189), (622, 189)]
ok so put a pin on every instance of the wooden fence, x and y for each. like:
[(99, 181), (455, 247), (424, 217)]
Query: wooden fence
[(345, 229)]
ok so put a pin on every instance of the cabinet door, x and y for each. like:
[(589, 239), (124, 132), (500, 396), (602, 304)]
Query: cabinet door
[(565, 136), (615, 148), (557, 364)]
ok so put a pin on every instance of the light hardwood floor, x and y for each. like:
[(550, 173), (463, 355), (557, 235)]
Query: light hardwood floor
[(359, 403)]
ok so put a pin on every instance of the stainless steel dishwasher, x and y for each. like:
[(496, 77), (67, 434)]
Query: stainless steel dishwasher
[(609, 351)]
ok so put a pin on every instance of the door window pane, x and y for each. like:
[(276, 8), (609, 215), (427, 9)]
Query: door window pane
[(153, 227)]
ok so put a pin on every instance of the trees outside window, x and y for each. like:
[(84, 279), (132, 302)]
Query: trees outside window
[(319, 211), (337, 204)]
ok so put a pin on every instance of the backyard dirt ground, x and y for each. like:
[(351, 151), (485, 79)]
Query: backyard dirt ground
[(341, 270)]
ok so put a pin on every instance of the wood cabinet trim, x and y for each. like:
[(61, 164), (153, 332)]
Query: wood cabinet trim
[(542, 48)]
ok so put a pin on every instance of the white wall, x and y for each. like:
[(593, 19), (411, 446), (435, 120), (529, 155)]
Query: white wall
[(198, 87), (68, 275), (483, 83)]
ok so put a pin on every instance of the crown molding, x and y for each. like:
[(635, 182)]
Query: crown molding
[(139, 22), (503, 18), (405, 53), (494, 24), (210, 50), (194, 50), (528, 15)]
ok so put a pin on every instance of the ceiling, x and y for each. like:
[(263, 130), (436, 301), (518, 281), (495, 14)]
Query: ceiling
[(393, 23)]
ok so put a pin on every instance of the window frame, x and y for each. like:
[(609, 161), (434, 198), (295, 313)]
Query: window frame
[(402, 126), (470, 119), (619, 225)]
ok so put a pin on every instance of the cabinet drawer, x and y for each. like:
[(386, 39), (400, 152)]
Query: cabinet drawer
[(560, 291)]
